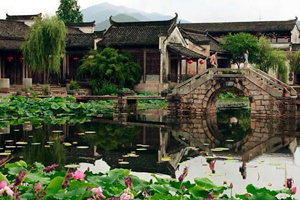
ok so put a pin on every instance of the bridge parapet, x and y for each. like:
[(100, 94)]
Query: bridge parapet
[(268, 96)]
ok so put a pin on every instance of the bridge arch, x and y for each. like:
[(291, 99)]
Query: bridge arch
[(218, 87), (268, 96)]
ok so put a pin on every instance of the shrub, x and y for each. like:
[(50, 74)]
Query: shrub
[(46, 89), (107, 89), (110, 66), (74, 85)]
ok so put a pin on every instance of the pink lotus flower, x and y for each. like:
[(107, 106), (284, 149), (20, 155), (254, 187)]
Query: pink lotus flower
[(126, 196), (294, 189), (98, 191), (6, 190), (78, 175), (2, 184), (38, 187)]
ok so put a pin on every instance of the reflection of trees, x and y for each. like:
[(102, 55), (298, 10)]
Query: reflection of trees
[(235, 131), (109, 136), (56, 153)]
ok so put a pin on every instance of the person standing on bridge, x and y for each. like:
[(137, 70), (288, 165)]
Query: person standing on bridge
[(213, 60), (245, 57)]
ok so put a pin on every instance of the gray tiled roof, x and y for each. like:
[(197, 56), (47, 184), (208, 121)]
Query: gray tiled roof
[(137, 33), (200, 38), (10, 44), (13, 29), (187, 53), (83, 40), (254, 26)]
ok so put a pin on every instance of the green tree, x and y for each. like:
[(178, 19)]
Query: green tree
[(69, 11), (271, 59), (294, 60), (236, 45), (44, 45), (110, 68)]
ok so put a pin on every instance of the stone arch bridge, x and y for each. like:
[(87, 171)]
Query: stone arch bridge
[(268, 96)]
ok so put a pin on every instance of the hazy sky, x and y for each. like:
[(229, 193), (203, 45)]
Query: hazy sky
[(191, 10)]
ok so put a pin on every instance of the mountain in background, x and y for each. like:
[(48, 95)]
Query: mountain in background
[(101, 13), (119, 18)]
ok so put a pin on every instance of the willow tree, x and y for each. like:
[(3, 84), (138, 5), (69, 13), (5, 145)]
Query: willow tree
[(44, 45), (272, 59)]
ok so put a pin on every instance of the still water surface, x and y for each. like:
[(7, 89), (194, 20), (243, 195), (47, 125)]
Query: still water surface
[(154, 143)]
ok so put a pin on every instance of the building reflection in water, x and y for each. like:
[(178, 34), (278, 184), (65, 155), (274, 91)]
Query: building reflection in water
[(166, 142)]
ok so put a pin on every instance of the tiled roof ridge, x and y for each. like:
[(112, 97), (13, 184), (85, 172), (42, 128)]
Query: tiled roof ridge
[(237, 22), (185, 30), (24, 17), (12, 21), (144, 23), (92, 23)]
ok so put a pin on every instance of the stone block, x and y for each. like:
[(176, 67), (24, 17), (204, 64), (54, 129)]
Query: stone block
[(253, 107), (257, 103), (265, 103), (260, 97)]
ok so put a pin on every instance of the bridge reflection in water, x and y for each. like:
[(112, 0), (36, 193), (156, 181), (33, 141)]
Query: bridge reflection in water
[(231, 137)]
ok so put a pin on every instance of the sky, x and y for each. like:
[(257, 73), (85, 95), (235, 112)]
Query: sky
[(190, 10)]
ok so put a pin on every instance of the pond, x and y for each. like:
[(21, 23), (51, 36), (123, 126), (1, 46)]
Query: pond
[(153, 142)]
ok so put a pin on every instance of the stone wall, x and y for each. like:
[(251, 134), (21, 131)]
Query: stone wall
[(202, 100)]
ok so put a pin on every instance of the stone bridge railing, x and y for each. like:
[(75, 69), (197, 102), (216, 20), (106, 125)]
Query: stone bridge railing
[(268, 83)]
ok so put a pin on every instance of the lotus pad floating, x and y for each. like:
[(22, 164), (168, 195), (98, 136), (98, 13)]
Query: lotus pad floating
[(216, 149), (206, 144), (183, 164), (5, 154), (123, 163), (75, 142), (21, 143), (10, 147), (141, 149), (82, 147), (233, 160), (35, 143), (210, 157), (132, 155), (67, 144), (16, 130), (165, 159), (143, 145), (274, 164), (47, 146), (280, 167), (80, 134), (229, 140), (57, 131), (222, 148), (9, 141), (90, 132), (50, 142), (72, 166)]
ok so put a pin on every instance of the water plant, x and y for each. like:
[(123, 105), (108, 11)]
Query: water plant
[(21, 181)]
